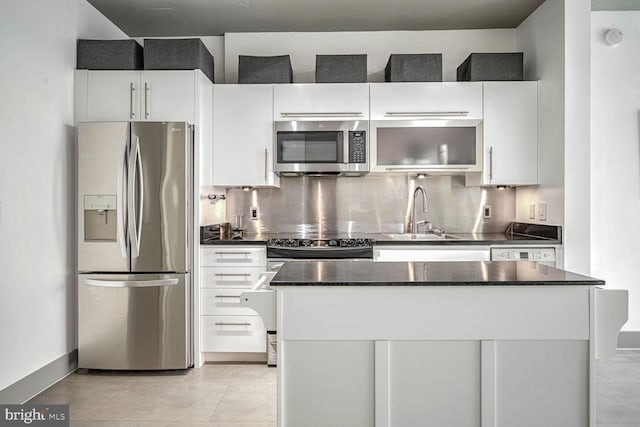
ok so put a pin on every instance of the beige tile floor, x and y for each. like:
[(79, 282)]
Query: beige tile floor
[(217, 395), (244, 395)]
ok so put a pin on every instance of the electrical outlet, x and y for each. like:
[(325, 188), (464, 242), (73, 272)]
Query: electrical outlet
[(532, 211), (254, 212), (486, 212), (542, 211)]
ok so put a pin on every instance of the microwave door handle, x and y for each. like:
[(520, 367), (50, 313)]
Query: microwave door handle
[(345, 147), (121, 204)]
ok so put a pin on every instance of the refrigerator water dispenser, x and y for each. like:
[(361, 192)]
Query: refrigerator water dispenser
[(100, 218)]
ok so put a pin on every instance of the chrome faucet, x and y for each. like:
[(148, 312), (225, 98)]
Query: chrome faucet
[(413, 222)]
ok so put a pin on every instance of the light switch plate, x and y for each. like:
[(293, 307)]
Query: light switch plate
[(532, 211), (254, 212), (542, 211)]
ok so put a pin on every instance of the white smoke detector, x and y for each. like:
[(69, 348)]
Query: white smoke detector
[(613, 37)]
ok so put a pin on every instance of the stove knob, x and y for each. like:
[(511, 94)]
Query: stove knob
[(332, 243), (346, 242), (361, 242), (277, 242), (306, 242), (291, 242)]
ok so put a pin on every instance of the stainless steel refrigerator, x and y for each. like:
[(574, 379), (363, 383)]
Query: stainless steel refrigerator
[(135, 213)]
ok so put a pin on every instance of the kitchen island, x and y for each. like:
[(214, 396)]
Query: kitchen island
[(443, 344)]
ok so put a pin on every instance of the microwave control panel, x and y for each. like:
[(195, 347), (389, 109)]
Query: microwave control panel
[(357, 147)]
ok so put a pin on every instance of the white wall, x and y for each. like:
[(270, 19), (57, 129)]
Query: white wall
[(615, 160), (577, 145), (541, 38), (37, 196), (556, 35), (455, 45)]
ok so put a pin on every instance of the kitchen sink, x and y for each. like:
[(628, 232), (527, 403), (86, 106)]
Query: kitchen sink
[(420, 236)]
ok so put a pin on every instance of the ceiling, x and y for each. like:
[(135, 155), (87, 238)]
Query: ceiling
[(158, 18)]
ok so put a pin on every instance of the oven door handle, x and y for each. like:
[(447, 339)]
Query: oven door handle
[(276, 267)]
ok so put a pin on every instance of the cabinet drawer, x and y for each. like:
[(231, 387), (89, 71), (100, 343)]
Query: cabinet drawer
[(226, 256), (233, 334), (223, 302), (230, 278)]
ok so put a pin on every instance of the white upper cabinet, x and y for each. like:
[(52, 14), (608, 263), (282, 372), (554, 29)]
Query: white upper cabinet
[(243, 135), (138, 95), (510, 133), (325, 101), (415, 101), (174, 95), (168, 95)]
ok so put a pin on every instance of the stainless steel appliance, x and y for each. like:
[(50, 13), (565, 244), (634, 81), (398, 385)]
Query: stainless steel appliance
[(427, 144), (134, 243), (330, 147), (542, 255), (285, 249)]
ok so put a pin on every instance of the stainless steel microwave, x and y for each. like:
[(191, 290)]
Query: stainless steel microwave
[(321, 147)]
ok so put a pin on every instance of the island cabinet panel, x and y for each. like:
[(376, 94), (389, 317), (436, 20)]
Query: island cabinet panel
[(328, 383), (542, 383), (433, 383), (435, 312)]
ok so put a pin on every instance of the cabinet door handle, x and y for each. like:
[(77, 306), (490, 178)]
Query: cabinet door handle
[(425, 113), (132, 89), (146, 100), (326, 113), (490, 164), (233, 324)]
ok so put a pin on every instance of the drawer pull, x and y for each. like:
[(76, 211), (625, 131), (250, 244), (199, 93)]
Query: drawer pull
[(227, 296), (231, 274), (233, 324)]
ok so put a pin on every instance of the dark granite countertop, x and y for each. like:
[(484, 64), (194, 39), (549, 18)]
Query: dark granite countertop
[(467, 239), (475, 273), (453, 239)]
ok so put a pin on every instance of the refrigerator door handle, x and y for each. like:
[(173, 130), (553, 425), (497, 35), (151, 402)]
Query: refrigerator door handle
[(121, 204), (131, 283), (135, 194)]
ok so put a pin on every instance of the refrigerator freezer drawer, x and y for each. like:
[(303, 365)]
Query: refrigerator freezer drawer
[(134, 322)]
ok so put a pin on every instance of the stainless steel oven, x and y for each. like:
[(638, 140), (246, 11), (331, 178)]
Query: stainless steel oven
[(331, 147)]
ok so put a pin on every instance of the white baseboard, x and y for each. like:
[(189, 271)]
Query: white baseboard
[(236, 357), (36, 382), (629, 339)]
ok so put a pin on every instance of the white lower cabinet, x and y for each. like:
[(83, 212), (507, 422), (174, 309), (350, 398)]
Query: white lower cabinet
[(541, 383), (431, 383), (428, 253), (456, 383), (236, 334), (329, 383), (226, 326)]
